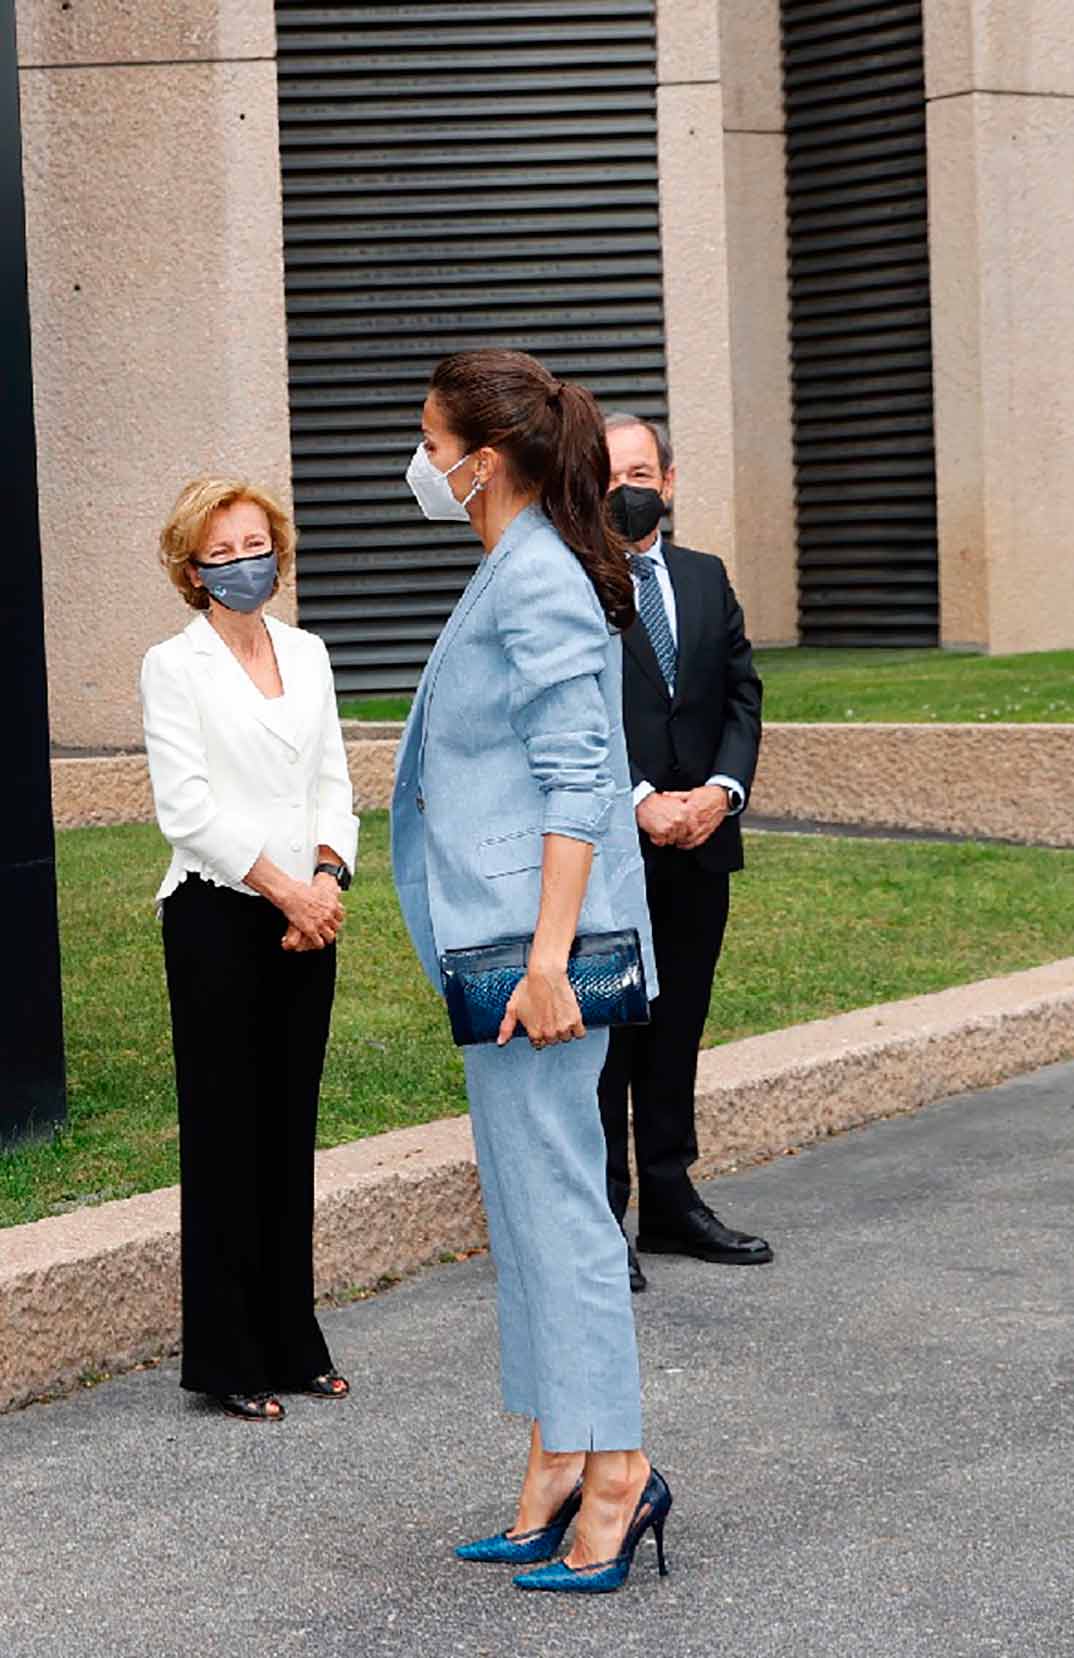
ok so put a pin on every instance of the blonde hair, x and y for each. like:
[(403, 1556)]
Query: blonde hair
[(182, 536)]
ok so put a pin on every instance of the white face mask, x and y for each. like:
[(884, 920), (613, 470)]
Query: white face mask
[(432, 491)]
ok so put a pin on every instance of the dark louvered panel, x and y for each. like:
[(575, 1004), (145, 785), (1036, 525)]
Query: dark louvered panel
[(854, 91), (453, 176)]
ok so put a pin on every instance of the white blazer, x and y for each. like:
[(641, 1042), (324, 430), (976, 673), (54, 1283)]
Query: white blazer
[(236, 774)]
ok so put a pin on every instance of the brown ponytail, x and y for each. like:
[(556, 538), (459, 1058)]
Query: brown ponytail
[(551, 435)]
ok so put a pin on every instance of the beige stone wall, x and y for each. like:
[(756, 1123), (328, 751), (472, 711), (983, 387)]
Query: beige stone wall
[(101, 789), (1002, 782), (725, 291), (154, 242), (1000, 84), (885, 776)]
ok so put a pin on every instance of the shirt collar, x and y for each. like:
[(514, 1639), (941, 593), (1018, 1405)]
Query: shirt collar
[(656, 552)]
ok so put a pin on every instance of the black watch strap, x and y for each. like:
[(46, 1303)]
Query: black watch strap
[(340, 871)]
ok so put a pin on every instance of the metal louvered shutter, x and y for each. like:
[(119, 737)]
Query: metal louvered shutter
[(453, 176), (854, 91)]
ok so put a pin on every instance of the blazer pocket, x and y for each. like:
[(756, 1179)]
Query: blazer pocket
[(507, 854), (510, 854)]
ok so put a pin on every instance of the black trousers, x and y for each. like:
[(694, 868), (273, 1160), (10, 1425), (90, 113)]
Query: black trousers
[(250, 1027), (656, 1064)]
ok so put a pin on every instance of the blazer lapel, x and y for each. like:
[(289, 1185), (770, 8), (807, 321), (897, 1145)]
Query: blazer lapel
[(275, 714), (689, 616), (283, 716), (467, 598), (516, 531), (636, 640)]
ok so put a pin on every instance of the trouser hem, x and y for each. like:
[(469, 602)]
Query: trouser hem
[(592, 1434), (221, 1390)]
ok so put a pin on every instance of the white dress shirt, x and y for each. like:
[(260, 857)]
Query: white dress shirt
[(736, 794), (235, 773)]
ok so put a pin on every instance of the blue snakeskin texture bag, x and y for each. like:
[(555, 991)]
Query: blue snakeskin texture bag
[(605, 971)]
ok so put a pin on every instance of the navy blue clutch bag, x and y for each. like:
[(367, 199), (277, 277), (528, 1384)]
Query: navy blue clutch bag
[(605, 971)]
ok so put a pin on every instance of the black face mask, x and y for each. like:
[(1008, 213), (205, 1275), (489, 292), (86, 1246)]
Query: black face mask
[(636, 512)]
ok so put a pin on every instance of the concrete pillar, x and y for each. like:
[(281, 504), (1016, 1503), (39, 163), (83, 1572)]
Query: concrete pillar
[(725, 293), (1000, 88), (759, 288), (696, 321), (154, 237)]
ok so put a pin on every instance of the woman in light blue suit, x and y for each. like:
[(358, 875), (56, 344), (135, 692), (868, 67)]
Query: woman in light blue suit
[(513, 815)]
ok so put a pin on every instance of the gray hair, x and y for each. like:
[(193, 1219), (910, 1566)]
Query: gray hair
[(659, 434)]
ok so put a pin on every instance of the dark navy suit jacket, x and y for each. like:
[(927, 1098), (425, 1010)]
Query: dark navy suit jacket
[(713, 722)]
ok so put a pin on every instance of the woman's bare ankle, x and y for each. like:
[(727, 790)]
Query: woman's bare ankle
[(613, 1486), (556, 1465), (614, 1479), (551, 1476)]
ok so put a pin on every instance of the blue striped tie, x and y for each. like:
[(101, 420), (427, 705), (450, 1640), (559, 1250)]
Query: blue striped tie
[(655, 617)]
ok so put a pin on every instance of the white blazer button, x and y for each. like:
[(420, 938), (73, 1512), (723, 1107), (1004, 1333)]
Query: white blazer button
[(292, 759), (296, 846)]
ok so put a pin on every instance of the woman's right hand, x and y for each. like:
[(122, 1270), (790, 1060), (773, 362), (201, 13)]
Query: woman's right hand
[(545, 1005), (314, 911)]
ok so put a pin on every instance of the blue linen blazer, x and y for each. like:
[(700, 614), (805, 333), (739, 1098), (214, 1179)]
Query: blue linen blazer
[(516, 732)]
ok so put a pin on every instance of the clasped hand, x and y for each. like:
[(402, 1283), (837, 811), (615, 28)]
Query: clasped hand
[(314, 912), (545, 1005), (686, 818)]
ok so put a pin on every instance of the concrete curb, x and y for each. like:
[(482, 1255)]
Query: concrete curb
[(764, 1094), (999, 782), (98, 1290)]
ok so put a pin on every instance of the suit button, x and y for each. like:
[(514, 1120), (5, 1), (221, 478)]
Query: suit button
[(292, 759), (296, 846)]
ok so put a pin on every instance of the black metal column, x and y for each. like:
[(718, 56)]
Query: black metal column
[(32, 1091)]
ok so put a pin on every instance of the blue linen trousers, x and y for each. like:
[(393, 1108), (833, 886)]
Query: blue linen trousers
[(568, 1356), (516, 733)]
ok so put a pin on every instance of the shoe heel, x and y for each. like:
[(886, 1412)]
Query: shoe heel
[(658, 1533)]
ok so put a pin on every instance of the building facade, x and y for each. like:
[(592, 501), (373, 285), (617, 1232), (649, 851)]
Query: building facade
[(829, 240)]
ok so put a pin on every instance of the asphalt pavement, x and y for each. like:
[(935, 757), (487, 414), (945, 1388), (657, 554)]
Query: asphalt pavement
[(869, 1443)]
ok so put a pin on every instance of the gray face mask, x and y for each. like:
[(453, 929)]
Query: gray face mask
[(240, 583)]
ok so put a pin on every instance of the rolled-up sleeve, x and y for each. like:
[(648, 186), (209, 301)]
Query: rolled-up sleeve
[(556, 641), (337, 826), (188, 814)]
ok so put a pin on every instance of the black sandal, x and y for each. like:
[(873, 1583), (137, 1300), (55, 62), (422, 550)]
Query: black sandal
[(252, 1407), (329, 1386)]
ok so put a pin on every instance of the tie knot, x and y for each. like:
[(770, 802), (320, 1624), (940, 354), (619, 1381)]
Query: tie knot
[(642, 566)]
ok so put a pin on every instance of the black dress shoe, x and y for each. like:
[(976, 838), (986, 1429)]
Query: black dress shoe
[(700, 1233), (638, 1280)]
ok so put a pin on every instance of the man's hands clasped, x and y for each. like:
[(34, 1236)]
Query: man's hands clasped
[(686, 819), (315, 914)]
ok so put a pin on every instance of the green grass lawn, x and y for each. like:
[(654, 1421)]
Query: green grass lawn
[(374, 708), (818, 926), (917, 686), (914, 686)]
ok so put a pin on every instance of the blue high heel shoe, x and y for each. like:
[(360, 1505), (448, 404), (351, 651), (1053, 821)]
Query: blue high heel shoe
[(528, 1546), (608, 1575)]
